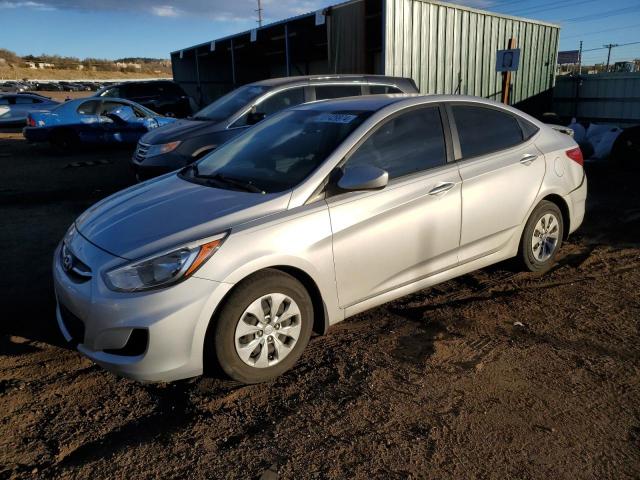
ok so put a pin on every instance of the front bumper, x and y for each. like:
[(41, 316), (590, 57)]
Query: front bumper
[(98, 321)]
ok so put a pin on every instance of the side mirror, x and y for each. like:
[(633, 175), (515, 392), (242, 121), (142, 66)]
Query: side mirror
[(255, 116), (363, 177)]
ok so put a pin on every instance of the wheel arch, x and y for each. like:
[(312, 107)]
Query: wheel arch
[(564, 209)]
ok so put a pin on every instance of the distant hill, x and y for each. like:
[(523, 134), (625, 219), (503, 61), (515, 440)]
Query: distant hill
[(13, 66)]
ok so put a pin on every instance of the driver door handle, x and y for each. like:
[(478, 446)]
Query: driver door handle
[(441, 188), (528, 158)]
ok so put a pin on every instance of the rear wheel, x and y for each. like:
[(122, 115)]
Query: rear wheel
[(542, 237), (263, 327)]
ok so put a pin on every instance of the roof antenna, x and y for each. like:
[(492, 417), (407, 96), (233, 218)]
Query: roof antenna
[(259, 10)]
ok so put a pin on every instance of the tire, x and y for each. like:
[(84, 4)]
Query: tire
[(64, 140), (268, 348), (541, 255)]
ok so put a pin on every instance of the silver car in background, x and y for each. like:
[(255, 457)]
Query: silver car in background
[(314, 215)]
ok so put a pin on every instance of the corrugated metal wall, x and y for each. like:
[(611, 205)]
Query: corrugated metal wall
[(450, 49), (606, 97)]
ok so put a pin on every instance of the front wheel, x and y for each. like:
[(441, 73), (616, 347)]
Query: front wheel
[(542, 237), (263, 327)]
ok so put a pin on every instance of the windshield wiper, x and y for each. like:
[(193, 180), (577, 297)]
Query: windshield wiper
[(245, 185)]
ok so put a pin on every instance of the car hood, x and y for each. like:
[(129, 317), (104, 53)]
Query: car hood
[(178, 130), (167, 212)]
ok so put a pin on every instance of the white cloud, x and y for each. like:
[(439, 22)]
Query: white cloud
[(165, 11), (33, 5)]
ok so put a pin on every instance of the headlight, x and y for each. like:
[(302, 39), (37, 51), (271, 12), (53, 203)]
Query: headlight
[(162, 148), (164, 269)]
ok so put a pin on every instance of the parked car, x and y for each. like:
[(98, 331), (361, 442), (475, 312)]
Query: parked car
[(185, 141), (318, 213), (14, 107), (49, 87), (162, 96), (92, 120), (13, 87)]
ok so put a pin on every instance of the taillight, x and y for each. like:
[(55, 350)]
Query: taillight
[(575, 154)]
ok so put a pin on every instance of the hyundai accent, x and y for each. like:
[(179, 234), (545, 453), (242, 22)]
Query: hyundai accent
[(316, 214)]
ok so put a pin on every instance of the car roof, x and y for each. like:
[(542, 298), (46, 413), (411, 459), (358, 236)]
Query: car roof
[(377, 102), (328, 78)]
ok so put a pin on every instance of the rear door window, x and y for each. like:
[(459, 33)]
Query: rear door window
[(409, 143), (324, 92), (483, 130)]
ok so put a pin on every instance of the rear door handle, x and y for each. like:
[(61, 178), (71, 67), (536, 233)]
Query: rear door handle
[(441, 188), (528, 158)]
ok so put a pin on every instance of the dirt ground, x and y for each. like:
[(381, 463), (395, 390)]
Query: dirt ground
[(497, 374)]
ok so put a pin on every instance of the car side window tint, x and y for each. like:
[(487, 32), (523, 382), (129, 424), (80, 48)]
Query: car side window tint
[(484, 130), (275, 103), (88, 108), (324, 92), (381, 89), (409, 143), (109, 106), (280, 101), (4, 101)]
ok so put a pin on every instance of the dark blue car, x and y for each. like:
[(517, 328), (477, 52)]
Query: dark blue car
[(92, 121)]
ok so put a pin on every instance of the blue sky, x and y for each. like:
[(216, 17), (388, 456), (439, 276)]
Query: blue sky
[(153, 28)]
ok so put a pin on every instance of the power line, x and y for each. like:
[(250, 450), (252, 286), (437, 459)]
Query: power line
[(600, 31), (543, 7), (601, 15)]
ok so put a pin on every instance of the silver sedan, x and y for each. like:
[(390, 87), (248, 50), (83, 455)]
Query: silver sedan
[(316, 214)]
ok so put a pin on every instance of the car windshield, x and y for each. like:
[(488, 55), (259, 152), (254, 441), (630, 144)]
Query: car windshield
[(229, 104), (279, 153)]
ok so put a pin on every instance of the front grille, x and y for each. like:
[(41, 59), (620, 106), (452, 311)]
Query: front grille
[(141, 152), (73, 324), (76, 270)]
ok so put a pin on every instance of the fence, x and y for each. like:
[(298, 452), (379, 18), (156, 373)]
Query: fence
[(601, 98)]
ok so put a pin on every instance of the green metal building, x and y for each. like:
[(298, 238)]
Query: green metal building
[(444, 48)]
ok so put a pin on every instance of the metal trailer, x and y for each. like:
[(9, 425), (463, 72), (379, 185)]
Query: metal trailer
[(444, 48)]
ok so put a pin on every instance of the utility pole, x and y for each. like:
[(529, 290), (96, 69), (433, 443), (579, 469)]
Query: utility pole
[(580, 59), (609, 46), (259, 10)]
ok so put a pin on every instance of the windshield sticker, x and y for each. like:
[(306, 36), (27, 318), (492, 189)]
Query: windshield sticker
[(334, 118)]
